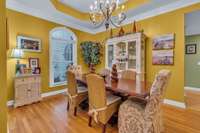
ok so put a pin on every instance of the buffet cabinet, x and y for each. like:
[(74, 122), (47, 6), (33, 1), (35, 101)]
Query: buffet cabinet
[(27, 89), (127, 52)]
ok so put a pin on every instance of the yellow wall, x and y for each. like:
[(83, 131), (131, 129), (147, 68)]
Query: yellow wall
[(172, 22), (3, 108), (21, 24)]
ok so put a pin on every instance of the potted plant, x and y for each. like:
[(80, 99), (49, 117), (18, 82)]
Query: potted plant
[(91, 52)]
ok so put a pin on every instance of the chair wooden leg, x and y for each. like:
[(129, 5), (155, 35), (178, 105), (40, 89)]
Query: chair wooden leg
[(75, 111), (68, 106), (90, 121), (104, 128)]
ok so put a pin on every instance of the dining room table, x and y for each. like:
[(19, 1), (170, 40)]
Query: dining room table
[(125, 87)]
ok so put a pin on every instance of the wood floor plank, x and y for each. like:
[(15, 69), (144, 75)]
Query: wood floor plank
[(51, 116)]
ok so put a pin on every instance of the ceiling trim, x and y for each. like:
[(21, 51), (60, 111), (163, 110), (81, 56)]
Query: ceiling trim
[(57, 18), (69, 10)]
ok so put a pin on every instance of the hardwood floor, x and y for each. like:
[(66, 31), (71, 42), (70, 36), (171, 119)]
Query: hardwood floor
[(51, 116)]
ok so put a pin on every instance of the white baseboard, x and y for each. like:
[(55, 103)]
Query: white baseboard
[(191, 88), (47, 94), (175, 103), (10, 103), (52, 93)]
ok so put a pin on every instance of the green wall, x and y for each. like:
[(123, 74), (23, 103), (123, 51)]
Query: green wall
[(192, 69)]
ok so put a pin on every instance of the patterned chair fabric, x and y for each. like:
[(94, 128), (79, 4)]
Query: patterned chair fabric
[(137, 117), (107, 73)]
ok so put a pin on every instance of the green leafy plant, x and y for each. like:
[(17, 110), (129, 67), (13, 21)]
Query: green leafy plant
[(91, 52)]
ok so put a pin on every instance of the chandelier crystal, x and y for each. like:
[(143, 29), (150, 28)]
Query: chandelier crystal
[(108, 12)]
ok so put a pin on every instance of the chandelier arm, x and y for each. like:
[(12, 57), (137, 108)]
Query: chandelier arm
[(100, 24), (101, 9), (124, 17), (117, 26), (92, 20)]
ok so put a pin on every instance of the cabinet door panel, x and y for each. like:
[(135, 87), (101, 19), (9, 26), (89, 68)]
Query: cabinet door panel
[(132, 55)]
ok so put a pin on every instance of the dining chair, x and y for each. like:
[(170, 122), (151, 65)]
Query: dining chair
[(128, 74), (76, 94), (107, 73), (145, 117), (76, 69), (102, 105)]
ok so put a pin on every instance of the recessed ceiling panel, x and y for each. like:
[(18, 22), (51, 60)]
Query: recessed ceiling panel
[(81, 5)]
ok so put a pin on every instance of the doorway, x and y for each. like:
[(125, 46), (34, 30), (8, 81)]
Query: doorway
[(192, 60)]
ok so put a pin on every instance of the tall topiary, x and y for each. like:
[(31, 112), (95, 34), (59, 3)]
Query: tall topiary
[(91, 52)]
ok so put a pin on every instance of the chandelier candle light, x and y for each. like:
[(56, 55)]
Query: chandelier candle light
[(103, 12)]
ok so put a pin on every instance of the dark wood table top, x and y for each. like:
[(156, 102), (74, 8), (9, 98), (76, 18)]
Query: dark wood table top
[(124, 86)]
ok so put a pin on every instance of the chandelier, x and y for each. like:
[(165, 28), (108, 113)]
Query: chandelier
[(108, 12)]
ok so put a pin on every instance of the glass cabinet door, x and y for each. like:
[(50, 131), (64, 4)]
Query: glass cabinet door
[(132, 55), (110, 55), (121, 55)]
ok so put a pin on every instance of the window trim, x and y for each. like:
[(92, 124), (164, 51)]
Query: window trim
[(51, 83)]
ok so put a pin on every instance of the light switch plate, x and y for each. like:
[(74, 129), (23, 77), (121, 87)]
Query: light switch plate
[(198, 63)]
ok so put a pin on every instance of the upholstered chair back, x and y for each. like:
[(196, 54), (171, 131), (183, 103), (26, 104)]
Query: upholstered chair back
[(128, 74), (76, 69), (96, 91), (153, 107), (106, 72), (72, 84)]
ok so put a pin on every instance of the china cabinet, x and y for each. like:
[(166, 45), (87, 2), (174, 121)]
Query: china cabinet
[(127, 52)]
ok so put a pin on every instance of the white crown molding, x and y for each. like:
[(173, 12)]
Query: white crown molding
[(192, 88), (79, 25), (175, 103), (47, 94)]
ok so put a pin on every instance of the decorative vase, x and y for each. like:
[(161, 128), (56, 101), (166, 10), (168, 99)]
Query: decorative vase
[(121, 32), (134, 27)]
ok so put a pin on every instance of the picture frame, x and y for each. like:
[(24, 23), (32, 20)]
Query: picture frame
[(191, 48), (29, 44), (37, 70), (164, 42), (33, 63), (20, 69), (163, 57)]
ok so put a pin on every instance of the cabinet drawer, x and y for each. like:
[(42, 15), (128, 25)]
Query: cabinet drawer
[(34, 79), (20, 81)]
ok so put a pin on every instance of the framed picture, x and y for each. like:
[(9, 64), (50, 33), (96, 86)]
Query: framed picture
[(33, 62), (29, 44), (191, 49), (164, 42), (20, 69), (37, 70), (163, 57)]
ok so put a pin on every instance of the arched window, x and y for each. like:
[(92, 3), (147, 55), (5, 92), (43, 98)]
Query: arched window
[(63, 52)]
